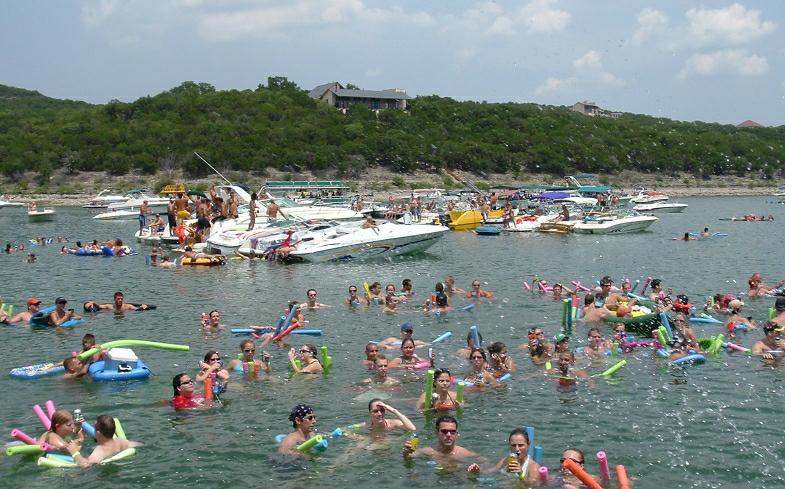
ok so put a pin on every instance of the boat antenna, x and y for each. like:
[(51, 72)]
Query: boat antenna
[(212, 167)]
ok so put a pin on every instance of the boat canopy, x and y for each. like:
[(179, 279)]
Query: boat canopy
[(554, 195), (594, 189)]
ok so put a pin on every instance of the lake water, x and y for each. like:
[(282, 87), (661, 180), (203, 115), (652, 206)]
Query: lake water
[(708, 426)]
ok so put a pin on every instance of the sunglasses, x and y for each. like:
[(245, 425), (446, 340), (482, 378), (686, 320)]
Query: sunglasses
[(448, 432), (310, 417), (215, 359), (305, 350), (475, 285), (352, 290), (249, 351), (580, 462), (311, 295), (187, 382)]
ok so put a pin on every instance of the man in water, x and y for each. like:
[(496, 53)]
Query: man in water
[(593, 311), (779, 309), (60, 315), (118, 305), (771, 346), (446, 449), (311, 303), (304, 423), (33, 305), (381, 378), (108, 445), (407, 331)]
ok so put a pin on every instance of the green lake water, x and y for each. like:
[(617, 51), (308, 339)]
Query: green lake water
[(709, 426)]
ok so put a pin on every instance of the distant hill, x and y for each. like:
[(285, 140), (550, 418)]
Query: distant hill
[(279, 126), (19, 98)]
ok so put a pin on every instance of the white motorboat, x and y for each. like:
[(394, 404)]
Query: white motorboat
[(648, 196), (387, 239), (660, 207), (131, 214), (103, 199), (35, 214), (290, 210), (614, 224), (259, 241), (8, 203), (527, 224), (134, 200)]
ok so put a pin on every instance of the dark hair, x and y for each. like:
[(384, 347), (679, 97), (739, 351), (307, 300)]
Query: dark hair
[(496, 347), (407, 340), (312, 348), (439, 287), (469, 337), (254, 196), (70, 364), (439, 372), (580, 452), (369, 345), (478, 350), (308, 292), (518, 431), (118, 294), (445, 419), (370, 403), (247, 342), (589, 299), (176, 383), (593, 329), (89, 337), (656, 283), (209, 354), (214, 310), (406, 281), (104, 424)]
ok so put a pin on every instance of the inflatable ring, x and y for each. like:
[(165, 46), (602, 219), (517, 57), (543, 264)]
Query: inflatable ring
[(205, 261)]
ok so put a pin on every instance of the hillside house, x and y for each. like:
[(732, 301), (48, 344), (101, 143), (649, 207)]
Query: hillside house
[(593, 110), (342, 98)]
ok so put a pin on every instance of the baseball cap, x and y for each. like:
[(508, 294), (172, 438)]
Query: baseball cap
[(735, 304), (407, 326), (779, 304), (60, 300), (561, 337), (33, 301)]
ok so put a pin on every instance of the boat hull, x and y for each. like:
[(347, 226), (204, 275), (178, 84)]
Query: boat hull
[(660, 209), (616, 226)]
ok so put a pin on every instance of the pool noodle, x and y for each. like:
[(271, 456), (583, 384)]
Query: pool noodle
[(538, 454), (615, 349), (581, 474), (327, 360), (24, 437), (734, 346), (527, 286), (10, 309), (564, 316), (475, 336), (580, 287), (543, 472), (89, 429), (661, 337), (542, 287), (666, 322), (614, 368), (645, 285), (119, 432), (530, 433), (50, 408), (208, 388), (621, 474), (429, 389), (310, 443), (285, 324), (308, 332), (602, 461), (42, 417), (153, 344), (635, 296), (468, 307), (442, 337), (25, 449), (772, 313), (504, 377), (286, 331), (569, 315), (635, 285), (459, 392), (704, 319)]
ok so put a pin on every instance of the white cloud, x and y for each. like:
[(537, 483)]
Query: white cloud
[(650, 23), (464, 55), (503, 25), (555, 85), (733, 25), (539, 16), (95, 12), (590, 60), (608, 78), (724, 62)]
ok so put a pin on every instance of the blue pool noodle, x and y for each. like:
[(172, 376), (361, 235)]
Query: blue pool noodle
[(666, 322)]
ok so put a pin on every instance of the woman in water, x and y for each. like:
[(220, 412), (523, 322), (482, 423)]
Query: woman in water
[(309, 363), (684, 333), (518, 461), (759, 288), (596, 346), (63, 429), (568, 479), (477, 293), (213, 367), (352, 300), (568, 376), (408, 358), (185, 397), (247, 364), (479, 374), (378, 424), (539, 348), (439, 302), (500, 363), (443, 398), (735, 319)]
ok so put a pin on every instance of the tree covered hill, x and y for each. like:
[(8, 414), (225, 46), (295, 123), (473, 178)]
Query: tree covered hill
[(279, 126)]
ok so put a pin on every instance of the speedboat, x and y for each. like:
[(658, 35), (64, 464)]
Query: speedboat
[(136, 198), (528, 223), (387, 239), (8, 203), (660, 207), (648, 196), (260, 241), (613, 224), (130, 214), (34, 214), (103, 199)]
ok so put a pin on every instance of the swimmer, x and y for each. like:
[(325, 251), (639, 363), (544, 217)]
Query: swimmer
[(108, 444), (407, 331), (684, 333), (561, 343), (568, 479), (735, 319), (407, 289), (609, 296), (408, 358), (247, 351), (63, 429), (119, 305), (687, 237), (213, 367), (75, 368), (464, 352), (390, 303), (779, 309), (377, 423), (213, 321), (311, 303), (705, 233), (438, 302), (771, 346), (518, 460), (449, 286), (758, 288), (167, 262), (33, 306), (381, 364), (479, 374), (310, 364), (443, 398), (446, 449), (540, 350), (371, 352), (88, 343), (375, 296), (567, 375), (352, 300), (559, 291), (185, 396), (477, 293), (500, 363), (60, 315), (303, 421), (596, 346), (389, 291), (659, 295)]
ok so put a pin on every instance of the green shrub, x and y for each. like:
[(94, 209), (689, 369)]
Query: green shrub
[(484, 186), (398, 181)]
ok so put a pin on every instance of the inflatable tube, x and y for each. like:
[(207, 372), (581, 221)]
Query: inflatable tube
[(97, 372), (107, 251), (442, 337), (204, 261), (621, 475), (37, 371), (475, 336), (42, 417), (695, 358), (67, 324), (152, 344), (581, 474), (740, 327), (602, 461), (640, 325), (429, 389), (704, 319), (614, 368), (41, 318)]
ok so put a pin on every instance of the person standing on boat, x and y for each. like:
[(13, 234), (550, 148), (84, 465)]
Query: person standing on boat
[(144, 211), (252, 211), (272, 210), (171, 215)]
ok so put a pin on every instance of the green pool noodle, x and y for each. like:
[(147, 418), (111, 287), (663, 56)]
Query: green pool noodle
[(298, 363), (548, 365), (308, 444), (615, 351), (715, 347), (23, 450), (10, 309), (661, 337), (2, 307), (119, 432), (705, 343), (564, 315), (772, 313), (615, 368), (459, 392), (429, 389), (327, 360), (152, 344)]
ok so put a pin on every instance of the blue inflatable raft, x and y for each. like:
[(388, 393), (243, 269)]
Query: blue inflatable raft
[(98, 371)]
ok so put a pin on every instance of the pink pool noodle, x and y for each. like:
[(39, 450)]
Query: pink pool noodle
[(736, 347), (50, 408), (580, 287), (605, 470), (23, 437), (527, 286), (42, 417), (542, 286), (543, 473)]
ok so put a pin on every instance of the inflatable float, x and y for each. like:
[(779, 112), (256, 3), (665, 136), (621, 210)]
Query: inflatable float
[(37, 371), (120, 364), (640, 323), (204, 261), (41, 319), (55, 460)]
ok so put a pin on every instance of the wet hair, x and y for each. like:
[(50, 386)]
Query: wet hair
[(407, 340), (370, 403), (438, 373), (369, 345), (588, 300), (93, 307), (308, 292), (567, 352), (312, 348), (299, 411), (375, 284), (496, 347), (580, 452), (70, 364), (104, 424), (247, 342), (209, 354), (59, 417), (592, 330), (380, 356), (176, 383), (469, 337), (480, 351), (518, 431), (656, 283), (439, 288), (118, 294), (89, 337), (407, 282), (214, 310), (445, 419)]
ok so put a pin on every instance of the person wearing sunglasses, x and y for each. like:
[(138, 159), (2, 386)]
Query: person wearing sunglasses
[(352, 300), (380, 377), (309, 364), (185, 396), (684, 333), (378, 424), (596, 345), (212, 366), (447, 449), (476, 292), (500, 362), (303, 420), (540, 350), (246, 356), (479, 374), (311, 303), (443, 398), (517, 461), (771, 346), (568, 479)]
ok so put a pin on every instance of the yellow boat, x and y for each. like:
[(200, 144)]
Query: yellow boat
[(469, 220)]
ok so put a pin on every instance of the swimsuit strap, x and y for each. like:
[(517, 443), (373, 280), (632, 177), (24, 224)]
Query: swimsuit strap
[(525, 467)]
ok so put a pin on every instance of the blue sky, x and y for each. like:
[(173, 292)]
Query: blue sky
[(712, 61)]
